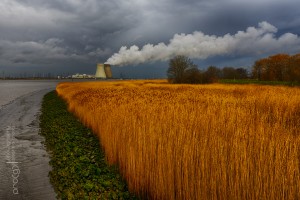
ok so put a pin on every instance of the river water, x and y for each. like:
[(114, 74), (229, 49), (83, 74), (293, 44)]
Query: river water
[(24, 161), (13, 89)]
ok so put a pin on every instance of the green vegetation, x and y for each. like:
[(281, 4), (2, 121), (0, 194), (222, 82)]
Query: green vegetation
[(79, 169), (254, 81)]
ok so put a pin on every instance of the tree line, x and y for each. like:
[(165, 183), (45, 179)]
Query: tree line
[(280, 67), (183, 70)]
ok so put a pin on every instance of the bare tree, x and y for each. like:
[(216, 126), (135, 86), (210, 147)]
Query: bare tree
[(179, 69)]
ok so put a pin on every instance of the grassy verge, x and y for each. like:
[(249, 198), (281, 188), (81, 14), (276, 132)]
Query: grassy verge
[(253, 81), (79, 169)]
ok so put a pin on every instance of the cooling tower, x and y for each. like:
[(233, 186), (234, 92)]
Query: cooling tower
[(107, 70), (100, 72)]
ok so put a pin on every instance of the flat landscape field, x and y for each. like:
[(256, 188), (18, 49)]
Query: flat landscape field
[(212, 141)]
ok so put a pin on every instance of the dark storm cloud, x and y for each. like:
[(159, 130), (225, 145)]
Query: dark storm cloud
[(43, 32), (70, 20), (52, 32)]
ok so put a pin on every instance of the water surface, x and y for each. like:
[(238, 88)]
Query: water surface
[(12, 89)]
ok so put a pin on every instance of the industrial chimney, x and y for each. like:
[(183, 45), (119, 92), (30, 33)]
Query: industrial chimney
[(100, 72), (107, 70), (103, 71)]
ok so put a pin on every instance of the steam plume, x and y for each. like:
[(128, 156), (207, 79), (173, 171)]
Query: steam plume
[(253, 41)]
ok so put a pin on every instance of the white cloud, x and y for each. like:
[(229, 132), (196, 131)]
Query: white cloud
[(253, 41)]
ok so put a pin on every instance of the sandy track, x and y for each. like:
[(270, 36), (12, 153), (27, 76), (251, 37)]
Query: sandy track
[(24, 162)]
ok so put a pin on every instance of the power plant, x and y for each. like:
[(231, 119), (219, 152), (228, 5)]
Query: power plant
[(103, 71)]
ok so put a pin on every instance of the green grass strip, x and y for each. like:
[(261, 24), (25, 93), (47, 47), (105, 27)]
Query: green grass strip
[(79, 169), (253, 81)]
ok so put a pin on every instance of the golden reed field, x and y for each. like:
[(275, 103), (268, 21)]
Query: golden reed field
[(195, 141)]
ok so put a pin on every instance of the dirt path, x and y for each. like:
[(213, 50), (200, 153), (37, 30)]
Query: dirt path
[(24, 161)]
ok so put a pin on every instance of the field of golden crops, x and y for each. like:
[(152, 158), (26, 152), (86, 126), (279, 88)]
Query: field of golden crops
[(196, 141)]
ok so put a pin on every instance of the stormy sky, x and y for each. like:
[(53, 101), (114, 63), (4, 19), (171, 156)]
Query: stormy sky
[(139, 36)]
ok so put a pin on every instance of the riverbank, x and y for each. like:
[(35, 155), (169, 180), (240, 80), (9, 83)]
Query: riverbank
[(79, 169)]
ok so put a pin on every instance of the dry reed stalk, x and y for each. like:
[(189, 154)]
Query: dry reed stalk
[(196, 142)]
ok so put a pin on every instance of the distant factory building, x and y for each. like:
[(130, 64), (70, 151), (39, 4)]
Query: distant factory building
[(82, 76), (103, 71)]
